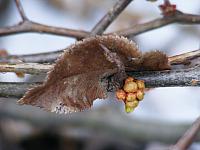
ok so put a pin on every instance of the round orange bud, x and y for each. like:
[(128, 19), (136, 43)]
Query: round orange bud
[(132, 104), (140, 95), (140, 84), (131, 97), (121, 95), (129, 109), (135, 103), (130, 87), (129, 79)]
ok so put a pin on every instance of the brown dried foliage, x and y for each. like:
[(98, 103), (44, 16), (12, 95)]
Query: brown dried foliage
[(75, 81), (3, 53), (154, 60)]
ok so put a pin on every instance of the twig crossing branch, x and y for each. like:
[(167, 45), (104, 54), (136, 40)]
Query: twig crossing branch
[(21, 10), (101, 26)]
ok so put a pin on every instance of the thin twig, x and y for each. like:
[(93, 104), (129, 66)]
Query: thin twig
[(184, 58), (47, 57), (29, 26), (186, 140), (21, 10), (179, 17), (144, 27), (101, 26), (29, 68)]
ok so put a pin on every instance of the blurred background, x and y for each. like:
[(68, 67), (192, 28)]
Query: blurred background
[(161, 118)]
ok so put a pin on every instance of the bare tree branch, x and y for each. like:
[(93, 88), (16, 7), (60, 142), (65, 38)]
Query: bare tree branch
[(141, 28), (15, 90), (168, 78), (21, 10), (29, 26), (101, 26), (47, 57), (179, 17), (186, 140), (29, 68)]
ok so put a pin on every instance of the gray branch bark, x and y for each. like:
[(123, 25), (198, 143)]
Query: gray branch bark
[(15, 90), (29, 68), (168, 78)]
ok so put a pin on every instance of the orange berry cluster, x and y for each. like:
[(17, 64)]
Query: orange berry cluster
[(131, 94)]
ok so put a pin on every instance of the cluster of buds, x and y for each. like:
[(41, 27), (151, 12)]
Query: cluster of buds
[(131, 94), (167, 8)]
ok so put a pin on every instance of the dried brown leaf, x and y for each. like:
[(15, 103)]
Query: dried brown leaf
[(20, 74), (3, 53), (154, 60), (75, 81)]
